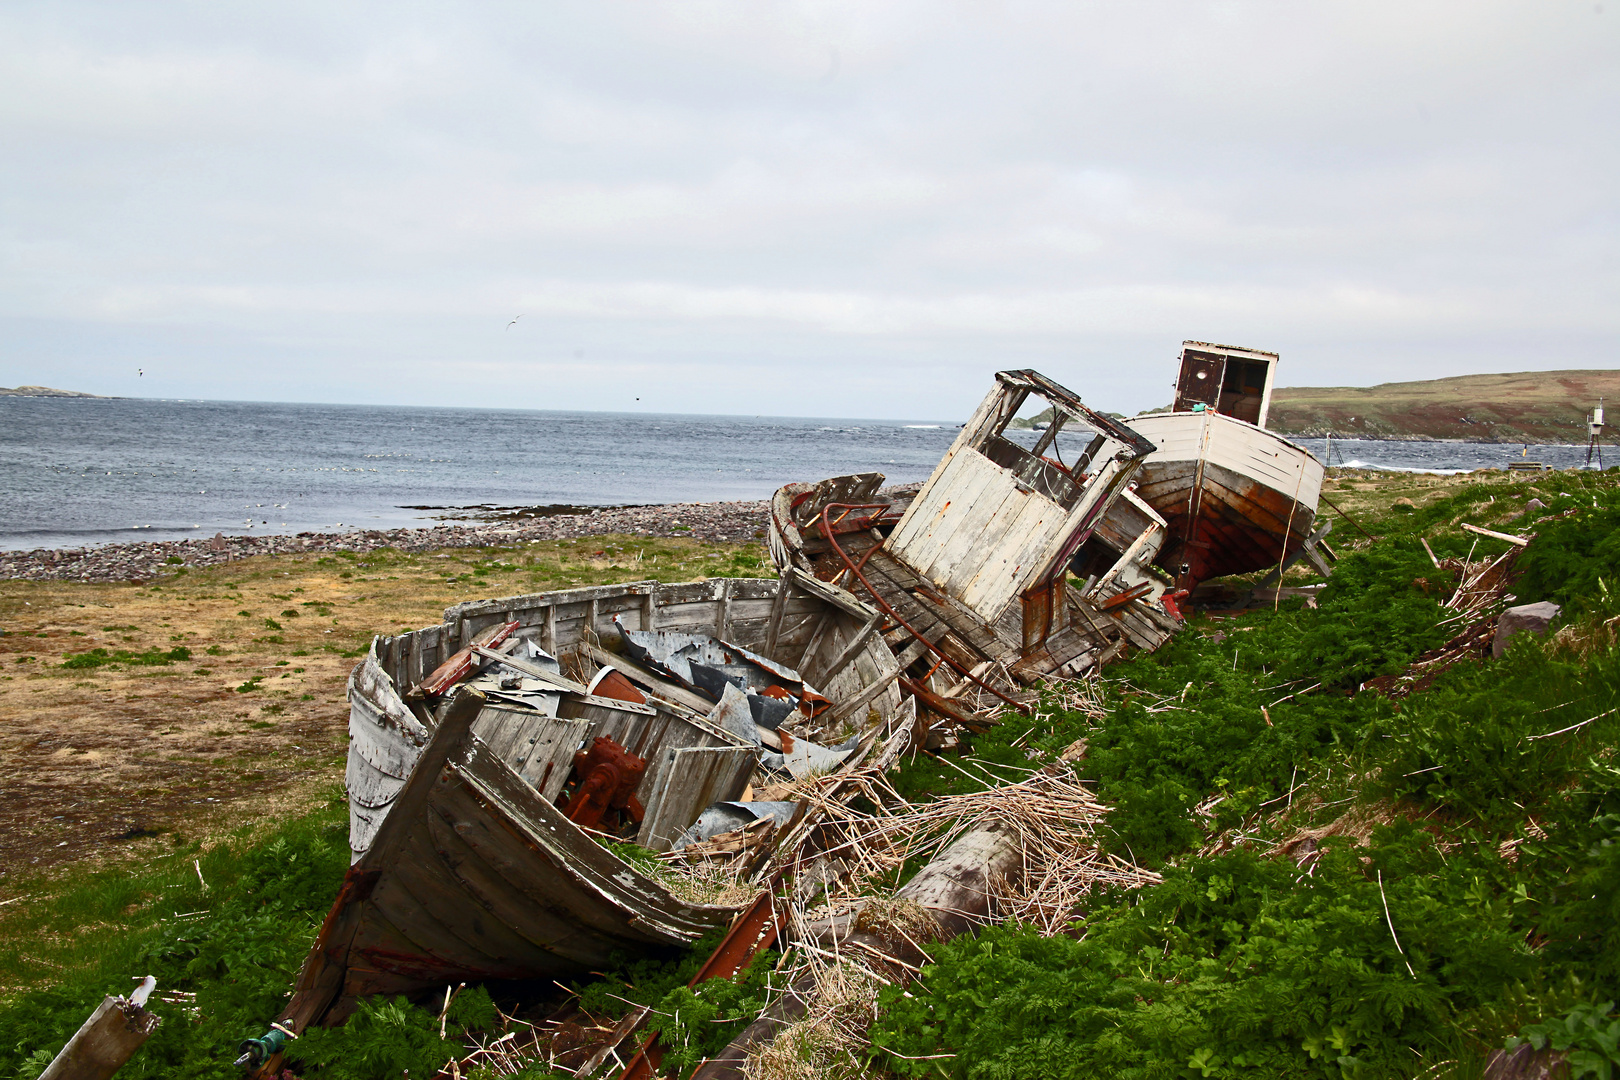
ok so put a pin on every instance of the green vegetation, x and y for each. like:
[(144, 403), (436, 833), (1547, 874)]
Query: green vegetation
[(1354, 886), (1531, 406), (224, 930), (389, 1038), (95, 658), (229, 924)]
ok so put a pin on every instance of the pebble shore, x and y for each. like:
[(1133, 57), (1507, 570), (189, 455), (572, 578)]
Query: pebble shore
[(721, 522)]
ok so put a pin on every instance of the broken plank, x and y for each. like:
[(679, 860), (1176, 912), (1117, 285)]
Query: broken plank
[(1494, 535), (866, 696), (851, 650), (670, 691)]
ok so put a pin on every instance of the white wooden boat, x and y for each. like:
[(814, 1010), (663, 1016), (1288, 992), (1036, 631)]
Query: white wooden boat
[(465, 870), (1235, 497), (973, 568)]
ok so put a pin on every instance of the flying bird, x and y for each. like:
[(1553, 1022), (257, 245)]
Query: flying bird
[(513, 322), (139, 372)]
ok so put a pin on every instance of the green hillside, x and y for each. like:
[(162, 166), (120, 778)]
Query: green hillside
[(1527, 406)]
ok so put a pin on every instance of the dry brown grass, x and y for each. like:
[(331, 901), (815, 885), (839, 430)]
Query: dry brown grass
[(828, 1042), (1587, 638), (95, 762)]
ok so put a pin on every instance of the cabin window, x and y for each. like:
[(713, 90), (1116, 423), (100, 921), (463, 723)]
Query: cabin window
[(1243, 389), (1053, 469)]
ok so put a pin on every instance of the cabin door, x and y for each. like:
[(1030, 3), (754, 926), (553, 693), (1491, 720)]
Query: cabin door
[(1201, 377)]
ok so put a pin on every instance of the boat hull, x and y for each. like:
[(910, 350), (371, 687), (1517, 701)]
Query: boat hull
[(1235, 497), (464, 870), (472, 877)]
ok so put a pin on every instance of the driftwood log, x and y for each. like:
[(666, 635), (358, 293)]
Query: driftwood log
[(955, 888), (104, 1042)]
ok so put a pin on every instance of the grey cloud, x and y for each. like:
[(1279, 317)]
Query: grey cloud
[(832, 209)]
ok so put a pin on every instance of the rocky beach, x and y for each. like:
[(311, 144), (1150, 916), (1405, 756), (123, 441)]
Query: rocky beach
[(718, 522)]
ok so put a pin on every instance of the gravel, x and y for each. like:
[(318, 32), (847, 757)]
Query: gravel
[(720, 522)]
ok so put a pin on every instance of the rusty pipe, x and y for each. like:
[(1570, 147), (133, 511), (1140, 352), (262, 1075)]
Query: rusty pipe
[(895, 615)]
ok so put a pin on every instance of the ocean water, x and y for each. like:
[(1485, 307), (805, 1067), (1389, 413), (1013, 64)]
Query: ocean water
[(1449, 458), (76, 472)]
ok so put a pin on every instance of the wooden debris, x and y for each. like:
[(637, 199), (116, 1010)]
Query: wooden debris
[(1520, 541), (107, 1039)]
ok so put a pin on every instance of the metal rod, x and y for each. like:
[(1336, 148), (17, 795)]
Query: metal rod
[(895, 615)]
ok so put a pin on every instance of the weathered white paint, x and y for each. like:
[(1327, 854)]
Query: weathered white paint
[(1235, 445)]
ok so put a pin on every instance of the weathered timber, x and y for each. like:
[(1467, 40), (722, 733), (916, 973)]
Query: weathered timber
[(106, 1040)]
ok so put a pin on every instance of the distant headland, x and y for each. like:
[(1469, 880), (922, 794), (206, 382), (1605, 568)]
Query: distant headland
[(1526, 406), (42, 391)]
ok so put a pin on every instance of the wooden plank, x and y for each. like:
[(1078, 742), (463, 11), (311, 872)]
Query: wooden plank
[(825, 623), (976, 494), (532, 670), (850, 650), (549, 755), (460, 711), (723, 615), (693, 778), (460, 833), (829, 593), (670, 691), (369, 787), (965, 496), (1009, 568), (866, 696), (425, 901), (973, 531), (574, 857), (986, 533), (110, 1037), (534, 601), (500, 725), (778, 610), (381, 743), (1510, 538), (911, 654), (689, 592)]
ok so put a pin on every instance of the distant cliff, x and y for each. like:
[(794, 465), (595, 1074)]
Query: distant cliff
[(41, 391), (1528, 406)]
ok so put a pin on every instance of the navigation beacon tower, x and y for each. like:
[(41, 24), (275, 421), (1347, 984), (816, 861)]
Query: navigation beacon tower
[(1594, 431)]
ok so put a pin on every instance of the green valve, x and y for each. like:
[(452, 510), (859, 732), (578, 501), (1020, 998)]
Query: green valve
[(256, 1052)]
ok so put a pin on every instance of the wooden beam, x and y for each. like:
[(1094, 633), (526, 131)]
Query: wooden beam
[(866, 696), (850, 651), (1521, 541), (673, 692), (778, 609)]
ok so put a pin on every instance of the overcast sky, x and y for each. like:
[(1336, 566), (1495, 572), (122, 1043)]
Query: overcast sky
[(833, 209)]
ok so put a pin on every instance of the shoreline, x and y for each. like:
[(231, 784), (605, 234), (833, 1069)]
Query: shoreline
[(140, 561)]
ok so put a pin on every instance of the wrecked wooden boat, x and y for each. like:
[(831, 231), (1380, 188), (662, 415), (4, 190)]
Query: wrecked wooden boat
[(972, 569), (491, 753), (1236, 498)]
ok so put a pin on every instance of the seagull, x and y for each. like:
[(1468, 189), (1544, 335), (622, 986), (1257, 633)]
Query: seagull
[(140, 372), (513, 322)]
